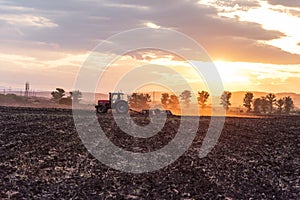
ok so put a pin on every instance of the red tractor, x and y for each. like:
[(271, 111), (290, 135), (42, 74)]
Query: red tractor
[(116, 101)]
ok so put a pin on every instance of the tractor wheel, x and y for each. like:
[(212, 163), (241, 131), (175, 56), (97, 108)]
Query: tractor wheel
[(122, 107), (102, 109)]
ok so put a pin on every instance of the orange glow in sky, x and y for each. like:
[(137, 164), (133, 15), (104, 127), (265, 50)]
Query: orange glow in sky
[(254, 44)]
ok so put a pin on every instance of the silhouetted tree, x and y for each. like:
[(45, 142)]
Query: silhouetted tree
[(271, 99), (248, 100), (76, 96), (202, 98), (58, 94), (279, 103), (174, 102), (257, 105), (260, 105), (139, 100), (225, 99), (186, 97), (288, 104), (264, 104), (165, 99)]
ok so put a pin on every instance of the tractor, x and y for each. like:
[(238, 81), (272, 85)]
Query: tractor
[(116, 101)]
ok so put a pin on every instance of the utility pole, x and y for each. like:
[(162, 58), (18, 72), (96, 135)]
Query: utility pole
[(26, 89)]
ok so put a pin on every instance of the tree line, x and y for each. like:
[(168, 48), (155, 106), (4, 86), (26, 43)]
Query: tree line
[(142, 100), (262, 105), (168, 101), (266, 104)]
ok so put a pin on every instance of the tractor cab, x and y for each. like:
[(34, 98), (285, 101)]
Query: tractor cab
[(115, 97)]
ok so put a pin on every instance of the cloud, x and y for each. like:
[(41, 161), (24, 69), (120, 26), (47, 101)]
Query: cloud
[(282, 21), (23, 62), (82, 23), (9, 32), (4, 8), (277, 84), (28, 20), (59, 69), (290, 3), (46, 33), (247, 50), (152, 25), (124, 5)]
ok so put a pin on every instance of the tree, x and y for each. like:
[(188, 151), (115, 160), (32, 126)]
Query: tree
[(248, 100), (225, 99), (58, 94), (186, 97), (288, 104), (169, 101), (174, 102), (279, 104), (165, 99), (257, 105), (202, 98), (76, 96), (260, 105), (140, 101), (264, 104), (271, 99)]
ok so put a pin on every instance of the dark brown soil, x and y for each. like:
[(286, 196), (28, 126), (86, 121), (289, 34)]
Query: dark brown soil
[(42, 157)]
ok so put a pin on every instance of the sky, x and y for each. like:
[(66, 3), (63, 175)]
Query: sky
[(255, 45)]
